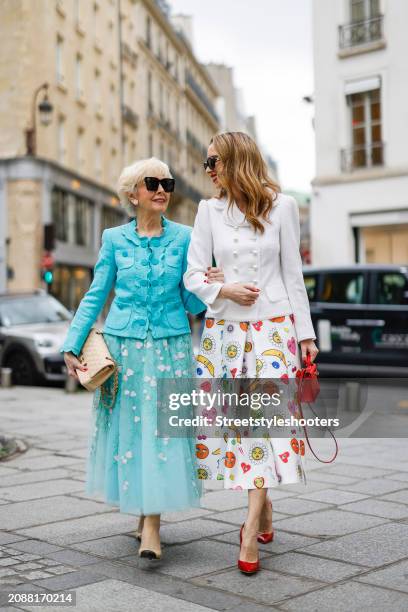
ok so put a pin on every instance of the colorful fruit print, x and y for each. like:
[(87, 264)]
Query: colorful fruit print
[(266, 352), (259, 482), (295, 445), (202, 451), (230, 459), (209, 322)]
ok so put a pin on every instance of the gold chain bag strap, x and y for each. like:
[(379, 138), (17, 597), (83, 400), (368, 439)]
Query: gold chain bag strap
[(101, 366)]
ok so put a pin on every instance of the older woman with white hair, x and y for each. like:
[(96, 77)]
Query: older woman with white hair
[(148, 335)]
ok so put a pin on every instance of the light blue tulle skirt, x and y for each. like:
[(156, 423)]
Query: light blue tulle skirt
[(128, 463)]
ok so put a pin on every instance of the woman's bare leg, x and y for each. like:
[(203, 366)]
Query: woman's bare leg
[(249, 548)]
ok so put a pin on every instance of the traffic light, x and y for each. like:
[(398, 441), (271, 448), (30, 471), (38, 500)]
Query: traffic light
[(48, 276)]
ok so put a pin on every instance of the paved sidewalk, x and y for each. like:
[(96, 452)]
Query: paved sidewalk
[(341, 542)]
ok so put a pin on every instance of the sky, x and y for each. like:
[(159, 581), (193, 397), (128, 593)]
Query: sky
[(269, 45)]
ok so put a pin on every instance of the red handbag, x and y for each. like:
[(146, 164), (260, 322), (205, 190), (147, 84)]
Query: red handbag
[(308, 390)]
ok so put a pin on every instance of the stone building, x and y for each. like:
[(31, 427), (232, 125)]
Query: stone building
[(123, 83)]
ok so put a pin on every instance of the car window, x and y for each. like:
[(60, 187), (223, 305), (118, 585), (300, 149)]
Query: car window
[(27, 309), (392, 288), (311, 286), (343, 288)]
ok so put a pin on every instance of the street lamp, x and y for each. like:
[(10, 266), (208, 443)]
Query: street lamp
[(45, 109)]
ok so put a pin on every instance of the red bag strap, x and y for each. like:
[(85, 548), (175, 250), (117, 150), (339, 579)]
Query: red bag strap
[(312, 370)]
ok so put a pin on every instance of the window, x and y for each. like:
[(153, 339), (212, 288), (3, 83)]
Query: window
[(97, 92), (110, 217), (73, 217), (61, 140), (98, 159), (366, 130), (392, 288), (161, 100), (176, 67), (148, 32), (149, 91), (343, 288), (364, 9), (80, 151), (59, 207), (311, 286), (78, 77), (70, 284), (59, 57), (150, 145)]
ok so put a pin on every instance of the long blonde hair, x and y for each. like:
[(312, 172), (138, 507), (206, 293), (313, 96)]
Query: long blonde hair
[(245, 171)]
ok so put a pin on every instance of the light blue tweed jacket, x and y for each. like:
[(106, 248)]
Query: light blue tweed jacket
[(147, 274)]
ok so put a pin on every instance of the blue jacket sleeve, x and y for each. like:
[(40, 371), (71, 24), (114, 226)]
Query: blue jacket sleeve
[(94, 299), (191, 302)]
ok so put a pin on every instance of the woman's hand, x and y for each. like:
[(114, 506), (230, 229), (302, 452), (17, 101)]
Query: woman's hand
[(214, 275), (241, 293), (308, 347), (73, 364)]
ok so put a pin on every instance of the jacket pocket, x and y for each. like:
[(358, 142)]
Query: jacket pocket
[(176, 315), (174, 258), (276, 291), (124, 258), (119, 315)]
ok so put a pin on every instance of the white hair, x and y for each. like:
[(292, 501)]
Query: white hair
[(134, 174)]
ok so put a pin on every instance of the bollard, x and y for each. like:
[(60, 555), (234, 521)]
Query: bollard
[(6, 377), (353, 397), (71, 384)]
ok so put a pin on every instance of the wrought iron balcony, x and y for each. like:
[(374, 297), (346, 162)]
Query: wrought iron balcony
[(130, 116), (361, 32), (191, 82), (362, 156)]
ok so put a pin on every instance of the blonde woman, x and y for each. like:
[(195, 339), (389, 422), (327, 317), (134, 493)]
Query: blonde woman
[(148, 335), (255, 320)]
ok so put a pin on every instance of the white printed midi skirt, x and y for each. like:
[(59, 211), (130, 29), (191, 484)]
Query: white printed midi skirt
[(262, 349)]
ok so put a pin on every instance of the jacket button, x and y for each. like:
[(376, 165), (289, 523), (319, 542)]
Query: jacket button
[(141, 321), (144, 262), (255, 281), (236, 239), (255, 252), (254, 267), (235, 269), (124, 253), (236, 228), (235, 253)]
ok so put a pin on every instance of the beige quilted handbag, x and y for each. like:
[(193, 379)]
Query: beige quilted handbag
[(100, 365)]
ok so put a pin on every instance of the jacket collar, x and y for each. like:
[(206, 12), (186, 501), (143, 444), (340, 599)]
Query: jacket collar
[(170, 231), (233, 216)]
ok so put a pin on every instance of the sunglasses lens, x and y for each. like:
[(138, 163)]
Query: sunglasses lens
[(152, 183), (168, 184)]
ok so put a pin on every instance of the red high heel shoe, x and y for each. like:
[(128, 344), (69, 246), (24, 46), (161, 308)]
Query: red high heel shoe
[(266, 537), (246, 567)]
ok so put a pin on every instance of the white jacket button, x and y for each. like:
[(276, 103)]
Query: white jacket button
[(235, 253), (235, 269), (254, 267), (255, 252)]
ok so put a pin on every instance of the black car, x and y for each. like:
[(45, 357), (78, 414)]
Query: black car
[(360, 314)]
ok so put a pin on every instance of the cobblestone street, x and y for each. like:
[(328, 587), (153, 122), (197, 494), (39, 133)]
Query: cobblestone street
[(341, 542)]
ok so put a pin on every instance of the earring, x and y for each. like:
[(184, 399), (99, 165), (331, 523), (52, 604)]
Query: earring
[(134, 202)]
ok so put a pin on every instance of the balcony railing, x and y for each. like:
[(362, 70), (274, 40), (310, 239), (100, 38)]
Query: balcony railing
[(362, 156), (195, 143), (190, 80), (130, 116), (361, 32), (185, 189)]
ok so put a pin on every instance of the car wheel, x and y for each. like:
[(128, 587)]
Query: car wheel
[(24, 371)]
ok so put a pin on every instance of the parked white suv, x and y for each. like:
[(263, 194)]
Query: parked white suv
[(33, 326)]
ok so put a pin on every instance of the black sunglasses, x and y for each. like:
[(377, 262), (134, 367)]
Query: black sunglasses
[(211, 161), (152, 183)]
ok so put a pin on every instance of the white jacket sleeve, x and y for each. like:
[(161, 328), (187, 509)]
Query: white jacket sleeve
[(199, 257), (291, 266)]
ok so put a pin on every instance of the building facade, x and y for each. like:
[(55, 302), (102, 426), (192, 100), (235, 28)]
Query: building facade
[(360, 193), (124, 84)]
